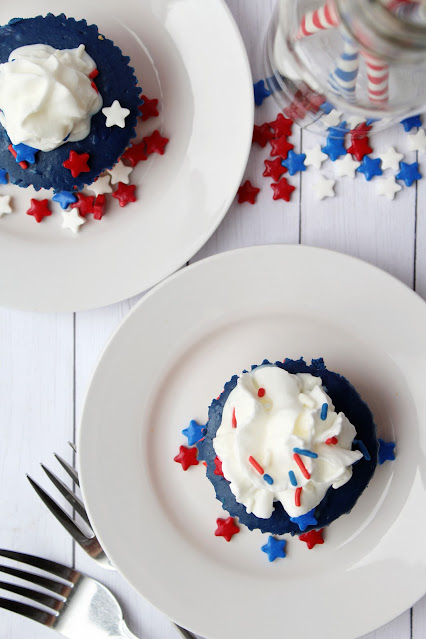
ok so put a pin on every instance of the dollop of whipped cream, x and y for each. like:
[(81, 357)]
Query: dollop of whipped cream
[(268, 415), (46, 96)]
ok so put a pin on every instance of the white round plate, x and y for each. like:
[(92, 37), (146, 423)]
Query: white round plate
[(162, 368), (190, 55)]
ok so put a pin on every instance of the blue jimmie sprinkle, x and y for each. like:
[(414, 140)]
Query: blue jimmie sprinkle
[(306, 453), (324, 411), (293, 479), (363, 449), (268, 479)]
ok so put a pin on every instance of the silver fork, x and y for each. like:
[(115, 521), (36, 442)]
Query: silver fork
[(89, 543)]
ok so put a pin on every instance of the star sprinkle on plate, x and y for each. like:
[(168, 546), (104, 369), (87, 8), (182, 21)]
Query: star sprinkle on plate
[(120, 173), (386, 451), (312, 538), (101, 185), (187, 457), (125, 194), (274, 548), (155, 143), (226, 528), (194, 432), (5, 207), (247, 193), (64, 199), (72, 220), (39, 209), (148, 109), (115, 115)]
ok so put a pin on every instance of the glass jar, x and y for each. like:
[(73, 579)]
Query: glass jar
[(363, 58)]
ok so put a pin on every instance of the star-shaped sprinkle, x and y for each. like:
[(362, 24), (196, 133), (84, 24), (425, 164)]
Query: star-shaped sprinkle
[(226, 528), (315, 157), (280, 147), (99, 207), (155, 143), (260, 92), (346, 166), (274, 548), (101, 185), (25, 153), (335, 146), (417, 141), (331, 119), (120, 173), (135, 154), (409, 173), (324, 188), (386, 451), (64, 198), (360, 147), (281, 126), (115, 115), (262, 134), (23, 164), (391, 159), (305, 520), (148, 109), (5, 207), (312, 538), (282, 190), (77, 163), (247, 193), (84, 204), (274, 169), (3, 176), (370, 167), (194, 432), (327, 107), (354, 121), (411, 123), (72, 220), (218, 467), (388, 187), (125, 193), (295, 162), (187, 457), (39, 209)]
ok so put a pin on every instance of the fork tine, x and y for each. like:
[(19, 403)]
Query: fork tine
[(69, 469), (35, 595), (35, 614), (73, 446), (68, 494), (50, 584), (60, 514), (64, 572)]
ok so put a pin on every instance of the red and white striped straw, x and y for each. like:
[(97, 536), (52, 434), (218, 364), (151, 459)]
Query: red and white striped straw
[(323, 18), (378, 79)]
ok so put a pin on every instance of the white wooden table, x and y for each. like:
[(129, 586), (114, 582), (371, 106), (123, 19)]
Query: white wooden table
[(46, 361)]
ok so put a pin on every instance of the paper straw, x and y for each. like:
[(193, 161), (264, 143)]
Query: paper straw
[(343, 79), (323, 18), (378, 78)]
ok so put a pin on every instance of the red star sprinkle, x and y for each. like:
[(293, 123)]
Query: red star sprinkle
[(281, 146), (274, 169), (247, 193), (148, 109), (125, 193), (312, 538), (360, 131), (84, 204), (187, 457), (282, 190), (295, 111), (226, 528), (262, 134), (99, 207), (155, 143), (281, 126), (39, 209), (218, 470), (360, 147), (135, 154), (77, 163)]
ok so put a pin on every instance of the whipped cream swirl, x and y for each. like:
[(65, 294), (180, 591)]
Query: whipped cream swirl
[(267, 415), (46, 96)]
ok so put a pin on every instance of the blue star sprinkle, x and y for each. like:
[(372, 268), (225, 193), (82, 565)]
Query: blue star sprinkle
[(409, 173), (386, 451), (370, 167), (274, 548), (411, 123), (24, 153), (295, 162), (64, 198), (260, 92), (305, 520), (335, 146), (3, 176), (194, 432), (327, 107)]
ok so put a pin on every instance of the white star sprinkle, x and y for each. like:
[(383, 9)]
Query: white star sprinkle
[(101, 186), (354, 121), (331, 119), (120, 173), (5, 205), (388, 187), (115, 115), (324, 188), (417, 141), (391, 159), (72, 220), (315, 157), (347, 166)]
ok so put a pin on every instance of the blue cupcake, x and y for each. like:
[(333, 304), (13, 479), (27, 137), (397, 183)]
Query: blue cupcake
[(296, 450), (65, 88)]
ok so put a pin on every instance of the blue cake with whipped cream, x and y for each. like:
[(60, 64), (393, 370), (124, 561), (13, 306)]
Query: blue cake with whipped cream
[(69, 102), (289, 447)]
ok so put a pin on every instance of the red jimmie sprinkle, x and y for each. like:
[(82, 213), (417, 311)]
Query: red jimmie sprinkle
[(94, 87), (255, 465), (331, 441), (234, 419), (94, 74), (23, 165), (297, 495), (302, 466), (261, 392)]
